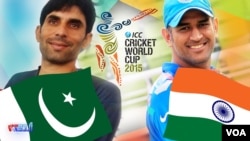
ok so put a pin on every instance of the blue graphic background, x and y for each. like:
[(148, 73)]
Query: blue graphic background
[(18, 47)]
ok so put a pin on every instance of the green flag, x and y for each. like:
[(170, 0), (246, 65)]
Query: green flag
[(58, 107)]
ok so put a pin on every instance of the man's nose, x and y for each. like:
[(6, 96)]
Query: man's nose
[(61, 31), (196, 35)]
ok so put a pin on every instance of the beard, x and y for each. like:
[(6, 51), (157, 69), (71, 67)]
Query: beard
[(61, 57), (197, 62), (57, 57)]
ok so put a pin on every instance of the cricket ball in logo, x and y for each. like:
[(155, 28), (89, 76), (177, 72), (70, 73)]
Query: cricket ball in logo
[(128, 34)]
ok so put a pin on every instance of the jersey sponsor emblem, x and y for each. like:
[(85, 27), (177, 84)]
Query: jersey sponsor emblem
[(164, 118)]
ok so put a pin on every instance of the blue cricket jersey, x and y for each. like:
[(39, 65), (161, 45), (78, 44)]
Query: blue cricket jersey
[(158, 103)]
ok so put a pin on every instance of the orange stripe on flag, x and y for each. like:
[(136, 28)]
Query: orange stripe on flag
[(202, 81)]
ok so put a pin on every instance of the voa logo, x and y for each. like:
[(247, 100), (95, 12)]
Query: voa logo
[(236, 132)]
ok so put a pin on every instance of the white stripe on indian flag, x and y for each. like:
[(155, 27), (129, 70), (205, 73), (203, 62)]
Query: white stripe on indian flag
[(200, 105)]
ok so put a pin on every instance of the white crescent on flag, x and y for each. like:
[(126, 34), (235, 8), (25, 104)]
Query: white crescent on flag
[(60, 127)]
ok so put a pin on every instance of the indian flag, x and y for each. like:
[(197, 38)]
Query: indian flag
[(201, 101)]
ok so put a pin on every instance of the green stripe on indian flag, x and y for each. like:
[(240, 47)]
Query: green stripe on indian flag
[(192, 129)]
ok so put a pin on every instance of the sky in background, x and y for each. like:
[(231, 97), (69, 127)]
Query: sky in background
[(18, 47)]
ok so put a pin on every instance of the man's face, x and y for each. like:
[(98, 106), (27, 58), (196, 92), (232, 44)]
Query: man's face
[(192, 41), (63, 35)]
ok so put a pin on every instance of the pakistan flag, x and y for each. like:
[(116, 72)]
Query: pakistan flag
[(55, 107)]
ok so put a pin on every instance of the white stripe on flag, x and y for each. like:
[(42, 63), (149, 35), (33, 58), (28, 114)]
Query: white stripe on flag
[(10, 113), (200, 105)]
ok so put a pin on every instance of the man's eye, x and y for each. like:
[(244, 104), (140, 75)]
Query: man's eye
[(74, 25), (52, 21), (184, 28), (203, 24)]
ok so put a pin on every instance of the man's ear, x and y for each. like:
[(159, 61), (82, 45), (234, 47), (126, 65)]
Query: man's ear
[(87, 40), (166, 34), (216, 24), (38, 32)]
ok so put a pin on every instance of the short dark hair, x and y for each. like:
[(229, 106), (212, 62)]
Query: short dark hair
[(86, 6)]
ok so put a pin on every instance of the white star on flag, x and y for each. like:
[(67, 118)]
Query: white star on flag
[(68, 98)]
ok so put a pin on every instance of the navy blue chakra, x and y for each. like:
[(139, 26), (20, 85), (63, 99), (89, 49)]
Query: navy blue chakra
[(223, 111)]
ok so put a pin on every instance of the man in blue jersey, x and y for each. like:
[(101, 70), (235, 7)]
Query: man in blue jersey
[(190, 31)]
